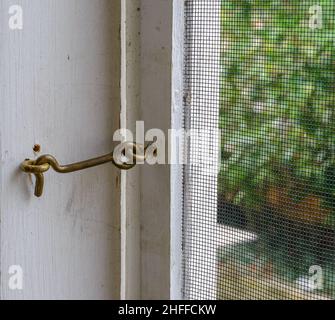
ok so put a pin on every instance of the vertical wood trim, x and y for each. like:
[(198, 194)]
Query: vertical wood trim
[(156, 84), (177, 150), (153, 92), (130, 113)]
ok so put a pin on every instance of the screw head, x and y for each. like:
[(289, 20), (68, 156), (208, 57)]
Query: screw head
[(37, 148)]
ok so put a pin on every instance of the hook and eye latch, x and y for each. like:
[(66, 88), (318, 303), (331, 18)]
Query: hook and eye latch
[(129, 155)]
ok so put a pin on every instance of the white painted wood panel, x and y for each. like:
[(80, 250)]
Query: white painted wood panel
[(152, 92), (178, 149), (130, 201), (59, 80), (155, 110)]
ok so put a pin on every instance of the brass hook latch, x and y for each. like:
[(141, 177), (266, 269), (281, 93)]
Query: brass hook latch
[(132, 152)]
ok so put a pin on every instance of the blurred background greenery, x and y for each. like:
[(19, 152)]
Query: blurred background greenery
[(277, 120)]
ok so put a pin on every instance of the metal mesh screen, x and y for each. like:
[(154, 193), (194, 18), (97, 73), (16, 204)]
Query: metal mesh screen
[(259, 196)]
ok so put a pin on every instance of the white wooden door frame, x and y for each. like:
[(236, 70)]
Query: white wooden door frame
[(152, 91)]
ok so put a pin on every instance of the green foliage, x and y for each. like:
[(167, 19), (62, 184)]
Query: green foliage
[(277, 120), (278, 97)]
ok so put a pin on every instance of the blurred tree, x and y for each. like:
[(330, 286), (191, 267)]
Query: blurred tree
[(278, 105)]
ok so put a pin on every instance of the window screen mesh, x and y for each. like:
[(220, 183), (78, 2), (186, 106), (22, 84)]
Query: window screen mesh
[(260, 87)]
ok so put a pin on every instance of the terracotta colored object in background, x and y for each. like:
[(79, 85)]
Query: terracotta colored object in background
[(308, 210)]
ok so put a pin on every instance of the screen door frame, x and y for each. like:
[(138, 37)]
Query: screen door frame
[(152, 206)]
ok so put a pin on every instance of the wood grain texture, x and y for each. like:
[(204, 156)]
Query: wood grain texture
[(60, 89)]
